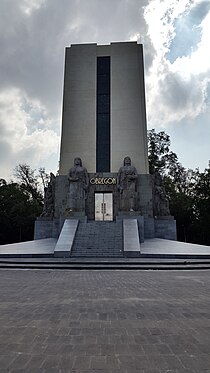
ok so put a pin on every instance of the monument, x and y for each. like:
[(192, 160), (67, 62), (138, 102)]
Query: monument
[(103, 171)]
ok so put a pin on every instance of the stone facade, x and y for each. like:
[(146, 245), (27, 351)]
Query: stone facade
[(143, 193), (128, 132), (149, 225)]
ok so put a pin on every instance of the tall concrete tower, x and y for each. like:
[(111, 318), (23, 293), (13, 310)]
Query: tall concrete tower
[(104, 115)]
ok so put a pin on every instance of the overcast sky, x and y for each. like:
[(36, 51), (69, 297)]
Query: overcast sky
[(33, 37)]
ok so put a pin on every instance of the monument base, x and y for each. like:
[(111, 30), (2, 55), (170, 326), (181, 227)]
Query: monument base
[(161, 227), (51, 227), (165, 227), (43, 228)]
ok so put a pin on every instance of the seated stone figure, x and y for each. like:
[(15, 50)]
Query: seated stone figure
[(127, 179), (160, 200), (78, 184)]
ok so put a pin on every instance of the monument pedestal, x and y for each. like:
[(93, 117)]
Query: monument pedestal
[(165, 227), (160, 227), (43, 228)]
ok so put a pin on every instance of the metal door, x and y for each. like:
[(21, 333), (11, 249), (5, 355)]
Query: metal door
[(103, 206)]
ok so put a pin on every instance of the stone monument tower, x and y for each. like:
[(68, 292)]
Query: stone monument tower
[(103, 170), (104, 121), (104, 115)]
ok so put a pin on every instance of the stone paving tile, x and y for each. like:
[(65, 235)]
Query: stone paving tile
[(82, 363), (105, 321), (35, 362), (20, 361)]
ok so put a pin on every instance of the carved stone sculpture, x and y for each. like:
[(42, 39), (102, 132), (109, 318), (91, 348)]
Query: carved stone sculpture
[(160, 200), (49, 198), (127, 179), (78, 185)]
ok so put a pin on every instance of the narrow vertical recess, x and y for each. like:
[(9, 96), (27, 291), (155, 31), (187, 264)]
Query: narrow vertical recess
[(103, 115)]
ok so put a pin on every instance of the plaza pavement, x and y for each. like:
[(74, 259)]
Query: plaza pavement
[(104, 321)]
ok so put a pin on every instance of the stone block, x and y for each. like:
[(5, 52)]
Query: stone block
[(149, 228), (43, 228), (140, 220), (56, 228), (165, 228)]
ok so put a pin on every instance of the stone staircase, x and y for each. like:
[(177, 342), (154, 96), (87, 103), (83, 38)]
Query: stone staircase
[(98, 239)]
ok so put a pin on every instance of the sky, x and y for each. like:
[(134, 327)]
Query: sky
[(33, 36)]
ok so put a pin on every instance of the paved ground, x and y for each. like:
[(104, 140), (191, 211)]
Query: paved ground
[(44, 247), (161, 246), (108, 321)]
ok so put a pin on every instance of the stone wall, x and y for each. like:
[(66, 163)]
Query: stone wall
[(43, 228), (165, 228), (149, 227)]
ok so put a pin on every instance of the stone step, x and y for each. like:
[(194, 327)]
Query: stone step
[(105, 265), (98, 239)]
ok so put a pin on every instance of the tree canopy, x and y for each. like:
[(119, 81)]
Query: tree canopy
[(20, 203), (188, 190)]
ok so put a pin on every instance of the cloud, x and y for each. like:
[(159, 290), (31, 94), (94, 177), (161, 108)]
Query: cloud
[(177, 87), (189, 25), (28, 6), (33, 35), (177, 99), (20, 143)]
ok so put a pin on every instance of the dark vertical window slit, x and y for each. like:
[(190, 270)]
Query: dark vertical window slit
[(103, 115)]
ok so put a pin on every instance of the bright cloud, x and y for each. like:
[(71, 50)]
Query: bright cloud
[(198, 62), (28, 6), (160, 16), (178, 89), (24, 131)]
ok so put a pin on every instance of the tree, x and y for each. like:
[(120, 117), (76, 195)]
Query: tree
[(179, 182), (188, 190), (20, 203), (18, 212), (44, 176), (159, 154), (201, 222), (163, 160), (181, 207), (29, 181)]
